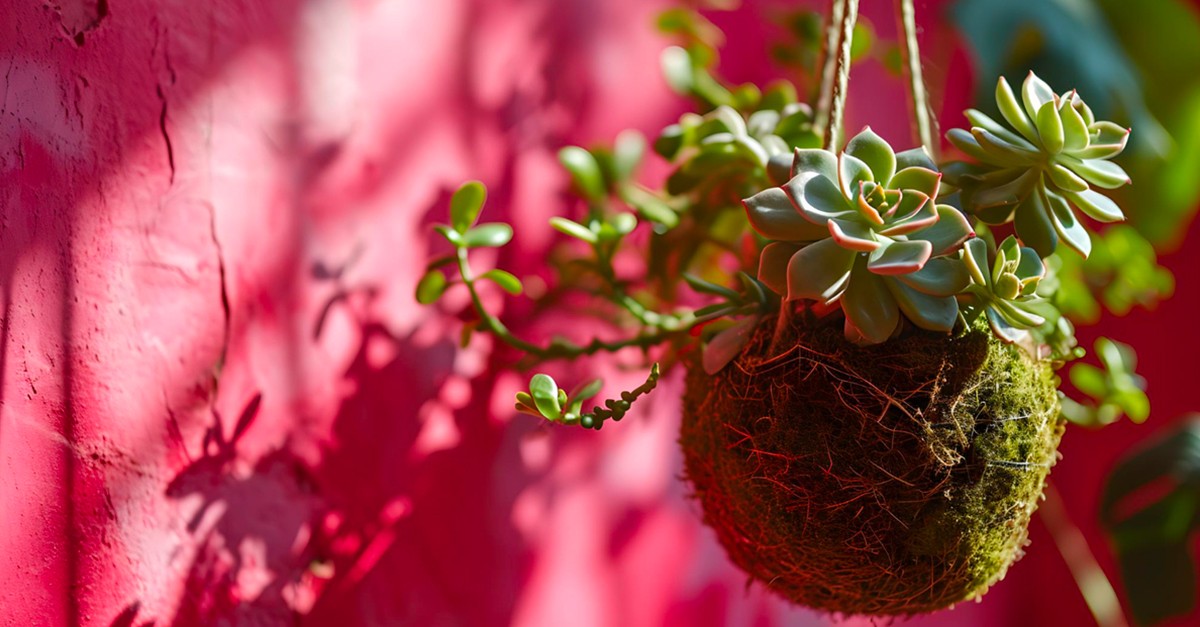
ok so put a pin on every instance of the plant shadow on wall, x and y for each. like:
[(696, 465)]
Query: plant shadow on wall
[(248, 521), (341, 541)]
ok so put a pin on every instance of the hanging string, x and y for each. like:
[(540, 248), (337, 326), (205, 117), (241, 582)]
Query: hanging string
[(837, 112), (922, 123)]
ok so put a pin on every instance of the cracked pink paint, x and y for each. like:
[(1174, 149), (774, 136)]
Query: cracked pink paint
[(219, 403)]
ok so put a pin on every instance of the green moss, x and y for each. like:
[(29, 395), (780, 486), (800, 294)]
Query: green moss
[(887, 480)]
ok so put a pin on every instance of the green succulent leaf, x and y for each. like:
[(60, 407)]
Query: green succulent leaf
[(465, 205), (1104, 174), (505, 280), (917, 178), (818, 198), (1072, 232), (915, 158), (816, 161), (1050, 128), (1035, 93), (431, 287), (853, 236), (1096, 205), (773, 266), (1075, 130), (649, 205), (1034, 226), (819, 271), (545, 395), (489, 235), (948, 233), (774, 216), (585, 172), (873, 151), (852, 171), (1065, 179), (574, 229), (870, 308), (942, 276), (628, 150), (1011, 109), (933, 313), (901, 257)]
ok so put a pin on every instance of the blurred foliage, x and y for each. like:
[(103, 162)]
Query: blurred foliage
[(806, 32), (1113, 389), (1151, 510), (1122, 272), (1145, 74)]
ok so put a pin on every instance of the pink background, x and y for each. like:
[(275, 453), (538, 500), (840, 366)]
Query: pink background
[(207, 203)]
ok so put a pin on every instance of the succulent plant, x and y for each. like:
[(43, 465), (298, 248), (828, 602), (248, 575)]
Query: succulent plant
[(1005, 290), (1047, 162), (710, 147), (863, 228)]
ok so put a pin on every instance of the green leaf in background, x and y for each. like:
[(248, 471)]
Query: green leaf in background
[(628, 150), (585, 172), (574, 229), (1151, 510), (1114, 390), (466, 204), (431, 287), (1121, 273), (490, 235), (1160, 36), (505, 280)]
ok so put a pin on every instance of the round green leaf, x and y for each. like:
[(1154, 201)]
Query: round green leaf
[(875, 152), (544, 391), (489, 235), (505, 280), (431, 287), (574, 229), (628, 150), (677, 69), (466, 204), (584, 171), (819, 271)]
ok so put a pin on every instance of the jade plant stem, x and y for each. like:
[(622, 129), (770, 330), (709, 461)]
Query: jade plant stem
[(562, 349), (918, 96), (837, 112)]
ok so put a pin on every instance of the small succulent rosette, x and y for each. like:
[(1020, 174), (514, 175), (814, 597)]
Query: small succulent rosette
[(1005, 291), (1045, 162), (864, 229)]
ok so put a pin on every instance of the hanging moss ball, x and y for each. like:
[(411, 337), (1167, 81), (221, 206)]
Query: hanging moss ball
[(895, 479)]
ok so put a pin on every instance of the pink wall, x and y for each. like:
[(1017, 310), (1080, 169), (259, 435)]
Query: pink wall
[(219, 403)]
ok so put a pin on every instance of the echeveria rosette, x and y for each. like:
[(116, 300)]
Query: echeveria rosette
[(1006, 290), (864, 229), (1047, 162)]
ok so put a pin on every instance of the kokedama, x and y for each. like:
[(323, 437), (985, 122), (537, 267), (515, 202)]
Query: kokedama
[(871, 413)]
